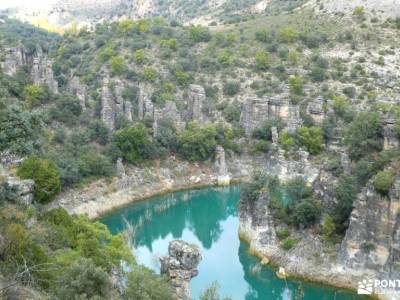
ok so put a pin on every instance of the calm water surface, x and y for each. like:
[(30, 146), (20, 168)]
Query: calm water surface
[(208, 218)]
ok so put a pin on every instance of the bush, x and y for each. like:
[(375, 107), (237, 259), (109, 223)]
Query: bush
[(296, 85), (199, 34), (297, 189), (82, 280), (311, 138), (328, 226), (46, 176), (383, 182), (134, 143), (35, 94), (142, 283), (306, 213), (231, 88), (139, 56), (345, 193), (67, 109), (149, 74), (288, 244), (364, 135), (263, 60), (340, 105), (212, 293), (7, 192), (18, 129), (286, 140), (197, 143), (118, 65)]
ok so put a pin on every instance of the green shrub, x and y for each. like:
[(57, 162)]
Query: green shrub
[(328, 226), (263, 60), (306, 212), (283, 234), (199, 34), (46, 175), (345, 193), (118, 65), (288, 244), (231, 88), (197, 143), (383, 182), (296, 84), (134, 143), (364, 135), (311, 138), (143, 283), (149, 74), (212, 293), (82, 280), (286, 140)]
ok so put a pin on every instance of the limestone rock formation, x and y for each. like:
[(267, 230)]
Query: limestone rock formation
[(197, 97), (257, 224), (42, 71), (13, 59), (107, 112), (146, 107), (285, 169), (257, 111), (181, 266), (391, 140), (372, 241), (316, 110), (24, 189), (223, 177)]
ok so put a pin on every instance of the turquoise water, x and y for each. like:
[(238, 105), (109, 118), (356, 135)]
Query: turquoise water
[(208, 218)]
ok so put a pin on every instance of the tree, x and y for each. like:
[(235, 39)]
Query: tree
[(46, 176), (364, 135), (134, 143), (345, 193), (197, 143), (18, 129), (311, 138), (383, 181), (35, 94), (82, 280), (144, 284)]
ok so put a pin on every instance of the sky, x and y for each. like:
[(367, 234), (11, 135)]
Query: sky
[(27, 3)]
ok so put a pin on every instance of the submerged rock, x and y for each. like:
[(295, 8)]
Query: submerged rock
[(181, 266)]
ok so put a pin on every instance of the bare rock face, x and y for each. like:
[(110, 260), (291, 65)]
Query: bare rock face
[(181, 266), (24, 189), (42, 72), (372, 241), (13, 59), (316, 110), (223, 177), (286, 169), (146, 107), (257, 111), (391, 140), (257, 224), (168, 113), (197, 97), (112, 101)]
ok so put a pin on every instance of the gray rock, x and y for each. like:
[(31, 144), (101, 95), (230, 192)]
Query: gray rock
[(197, 97), (223, 177), (181, 266), (79, 90), (24, 189)]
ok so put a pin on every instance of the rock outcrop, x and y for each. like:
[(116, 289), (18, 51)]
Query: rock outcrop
[(24, 189), (372, 241), (223, 177), (196, 99), (181, 266), (14, 58), (257, 111), (42, 71), (316, 110), (145, 105)]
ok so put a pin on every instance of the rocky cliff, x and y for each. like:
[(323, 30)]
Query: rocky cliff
[(181, 266)]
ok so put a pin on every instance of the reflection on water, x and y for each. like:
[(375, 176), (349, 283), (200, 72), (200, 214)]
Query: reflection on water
[(209, 219)]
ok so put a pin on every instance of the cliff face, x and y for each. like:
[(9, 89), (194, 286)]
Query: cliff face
[(372, 241), (40, 63), (370, 248)]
